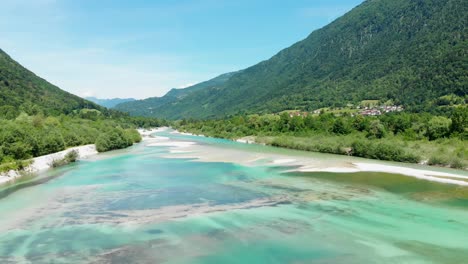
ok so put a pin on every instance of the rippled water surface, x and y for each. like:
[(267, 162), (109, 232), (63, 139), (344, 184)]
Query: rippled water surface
[(142, 206)]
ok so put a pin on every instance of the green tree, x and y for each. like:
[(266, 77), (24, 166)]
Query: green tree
[(459, 120), (360, 123), (339, 127), (115, 138), (438, 127), (8, 112), (49, 141), (296, 124), (376, 129)]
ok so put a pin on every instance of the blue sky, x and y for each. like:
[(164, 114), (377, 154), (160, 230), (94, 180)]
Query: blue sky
[(143, 48)]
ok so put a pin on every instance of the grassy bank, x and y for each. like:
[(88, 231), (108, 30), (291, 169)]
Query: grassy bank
[(447, 153), (403, 137)]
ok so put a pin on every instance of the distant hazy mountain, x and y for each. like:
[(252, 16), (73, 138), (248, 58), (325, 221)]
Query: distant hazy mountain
[(109, 103), (155, 105), (410, 51), (22, 90)]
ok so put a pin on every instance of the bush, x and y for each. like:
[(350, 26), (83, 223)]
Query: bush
[(72, 139), (340, 128), (49, 141), (133, 135), (438, 127), (18, 150), (381, 151), (457, 164), (438, 161), (361, 149), (115, 138), (70, 157), (376, 130), (14, 165)]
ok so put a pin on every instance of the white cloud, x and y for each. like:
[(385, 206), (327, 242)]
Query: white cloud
[(187, 85), (88, 94)]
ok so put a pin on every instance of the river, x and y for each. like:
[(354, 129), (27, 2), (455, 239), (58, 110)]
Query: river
[(157, 203)]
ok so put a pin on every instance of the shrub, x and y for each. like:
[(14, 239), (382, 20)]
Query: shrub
[(376, 130), (438, 127), (438, 160), (70, 157), (340, 128), (49, 141), (14, 165), (58, 163), (381, 151), (457, 164), (361, 149), (133, 135), (72, 139), (115, 138)]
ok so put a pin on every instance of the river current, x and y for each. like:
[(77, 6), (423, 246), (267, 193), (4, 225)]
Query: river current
[(146, 205)]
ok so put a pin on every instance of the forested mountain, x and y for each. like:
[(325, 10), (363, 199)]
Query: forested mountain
[(109, 103), (23, 91), (155, 106), (38, 118), (410, 51)]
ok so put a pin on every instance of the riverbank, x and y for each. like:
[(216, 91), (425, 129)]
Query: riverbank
[(143, 204), (43, 163), (418, 138), (443, 153), (301, 161)]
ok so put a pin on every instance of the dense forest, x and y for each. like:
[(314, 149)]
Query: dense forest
[(37, 118), (409, 51), (399, 136), (23, 91)]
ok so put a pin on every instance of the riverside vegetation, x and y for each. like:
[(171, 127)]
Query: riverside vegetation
[(404, 137), (27, 136)]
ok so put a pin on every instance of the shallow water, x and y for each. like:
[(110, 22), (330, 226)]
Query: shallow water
[(143, 206)]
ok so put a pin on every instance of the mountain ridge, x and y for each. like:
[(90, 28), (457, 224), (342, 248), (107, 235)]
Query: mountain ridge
[(110, 102), (147, 107), (411, 52)]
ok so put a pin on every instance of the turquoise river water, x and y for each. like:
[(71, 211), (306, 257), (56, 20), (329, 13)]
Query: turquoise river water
[(141, 205)]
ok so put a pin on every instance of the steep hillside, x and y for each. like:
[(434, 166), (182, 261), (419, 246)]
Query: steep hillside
[(410, 51), (22, 90), (37, 118), (109, 103), (157, 106)]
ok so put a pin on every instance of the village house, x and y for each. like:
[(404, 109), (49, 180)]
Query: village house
[(371, 112), (381, 109), (301, 114)]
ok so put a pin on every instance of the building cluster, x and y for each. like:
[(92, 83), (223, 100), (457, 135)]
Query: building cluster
[(364, 111), (301, 114), (375, 111)]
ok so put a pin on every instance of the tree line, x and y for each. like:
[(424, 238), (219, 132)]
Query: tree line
[(394, 136), (26, 136)]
